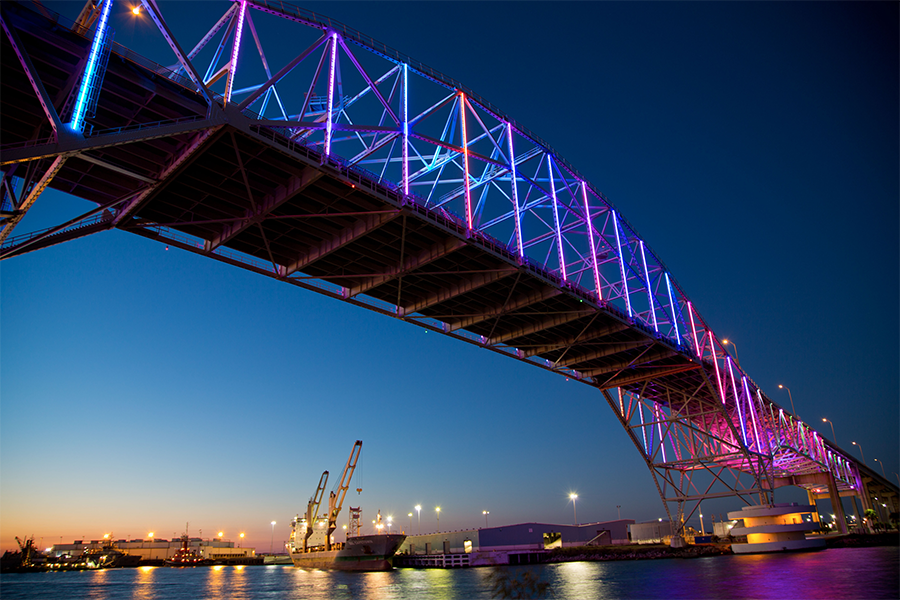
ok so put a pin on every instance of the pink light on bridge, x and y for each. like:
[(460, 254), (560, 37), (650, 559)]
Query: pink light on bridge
[(515, 192), (465, 144), (235, 51), (621, 263), (328, 116), (559, 241), (590, 232)]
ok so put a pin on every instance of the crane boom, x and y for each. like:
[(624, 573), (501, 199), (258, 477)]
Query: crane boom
[(336, 501), (312, 509)]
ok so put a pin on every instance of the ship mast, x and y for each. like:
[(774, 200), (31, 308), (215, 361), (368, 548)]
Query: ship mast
[(312, 509)]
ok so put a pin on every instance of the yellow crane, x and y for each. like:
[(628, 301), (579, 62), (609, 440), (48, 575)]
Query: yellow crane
[(312, 509), (336, 500)]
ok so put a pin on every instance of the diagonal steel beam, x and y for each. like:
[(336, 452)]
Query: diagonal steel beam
[(295, 185), (347, 236), (30, 72), (648, 356), (472, 283), (26, 203), (437, 251), (585, 336), (645, 374), (544, 324), (185, 154), (608, 350), (545, 293)]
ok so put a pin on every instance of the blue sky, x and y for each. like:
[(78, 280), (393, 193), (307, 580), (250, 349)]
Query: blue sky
[(755, 147)]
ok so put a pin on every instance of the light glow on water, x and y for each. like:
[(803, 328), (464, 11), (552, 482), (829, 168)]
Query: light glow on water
[(833, 573)]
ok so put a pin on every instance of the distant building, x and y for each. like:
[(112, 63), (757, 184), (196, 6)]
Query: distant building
[(510, 544), (158, 549), (651, 532)]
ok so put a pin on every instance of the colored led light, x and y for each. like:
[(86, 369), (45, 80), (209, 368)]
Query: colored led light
[(643, 428), (662, 445), (737, 400), (751, 410), (328, 121), (674, 314), (235, 51), (559, 241), (405, 129), (716, 363), (93, 57), (621, 263), (515, 191), (462, 108), (590, 231), (693, 327), (649, 291)]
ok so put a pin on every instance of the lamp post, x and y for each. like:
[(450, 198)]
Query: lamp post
[(882, 467), (573, 497), (272, 545), (780, 387), (833, 438), (241, 543), (737, 358), (410, 523), (861, 452), (485, 513), (619, 510), (437, 509), (390, 521), (419, 517)]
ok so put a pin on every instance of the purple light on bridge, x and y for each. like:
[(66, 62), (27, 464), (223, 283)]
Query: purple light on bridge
[(235, 51), (328, 120), (675, 314), (621, 263), (752, 411), (590, 232), (737, 400), (559, 241), (643, 428), (515, 192), (649, 291), (712, 345), (405, 129), (693, 326)]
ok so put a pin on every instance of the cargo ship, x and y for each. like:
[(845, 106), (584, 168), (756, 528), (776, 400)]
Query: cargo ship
[(312, 542)]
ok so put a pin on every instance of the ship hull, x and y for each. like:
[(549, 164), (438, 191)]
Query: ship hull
[(362, 553)]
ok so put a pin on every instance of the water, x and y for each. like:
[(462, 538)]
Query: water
[(836, 573)]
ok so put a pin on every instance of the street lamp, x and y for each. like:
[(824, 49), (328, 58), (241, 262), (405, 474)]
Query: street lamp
[(882, 467), (241, 545), (736, 357), (619, 510), (780, 387), (863, 454), (702, 529), (390, 521), (419, 517), (833, 438), (272, 545), (485, 513), (437, 509), (574, 497), (410, 523)]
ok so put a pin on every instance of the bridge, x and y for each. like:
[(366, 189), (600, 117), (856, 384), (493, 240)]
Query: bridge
[(356, 172)]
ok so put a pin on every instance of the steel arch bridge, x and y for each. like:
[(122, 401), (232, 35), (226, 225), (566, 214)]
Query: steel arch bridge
[(357, 172)]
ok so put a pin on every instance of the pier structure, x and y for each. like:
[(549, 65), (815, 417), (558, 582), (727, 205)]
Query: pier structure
[(359, 173)]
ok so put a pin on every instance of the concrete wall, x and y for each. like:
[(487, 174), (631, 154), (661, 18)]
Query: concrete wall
[(651, 532)]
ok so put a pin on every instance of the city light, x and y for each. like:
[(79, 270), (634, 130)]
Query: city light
[(573, 497), (136, 10)]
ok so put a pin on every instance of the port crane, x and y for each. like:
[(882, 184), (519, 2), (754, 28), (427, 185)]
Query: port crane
[(312, 509), (336, 500)]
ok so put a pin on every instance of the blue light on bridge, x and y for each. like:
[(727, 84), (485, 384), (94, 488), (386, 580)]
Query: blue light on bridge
[(89, 72)]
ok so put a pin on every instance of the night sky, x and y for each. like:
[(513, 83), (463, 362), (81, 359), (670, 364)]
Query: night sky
[(753, 145)]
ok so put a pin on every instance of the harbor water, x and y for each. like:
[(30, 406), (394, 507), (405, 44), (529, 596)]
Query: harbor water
[(835, 573)]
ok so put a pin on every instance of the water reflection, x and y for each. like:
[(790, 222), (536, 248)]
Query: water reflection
[(144, 580)]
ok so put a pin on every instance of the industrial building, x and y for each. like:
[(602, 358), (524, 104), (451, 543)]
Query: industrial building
[(157, 550), (509, 544)]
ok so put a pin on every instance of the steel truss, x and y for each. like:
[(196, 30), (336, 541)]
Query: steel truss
[(431, 149)]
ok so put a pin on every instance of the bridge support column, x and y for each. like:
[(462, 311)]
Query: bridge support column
[(836, 503), (812, 500)]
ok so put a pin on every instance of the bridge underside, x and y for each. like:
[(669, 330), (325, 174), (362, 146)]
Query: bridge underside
[(161, 162)]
